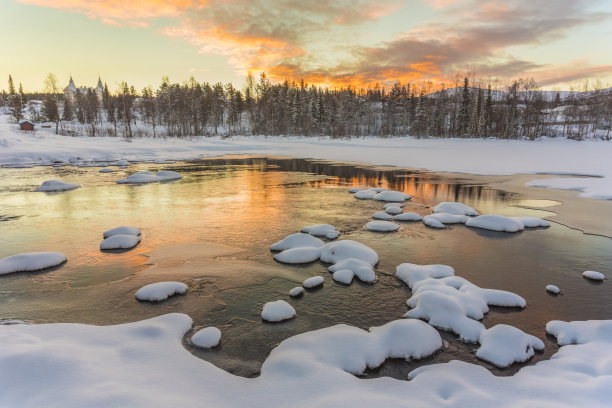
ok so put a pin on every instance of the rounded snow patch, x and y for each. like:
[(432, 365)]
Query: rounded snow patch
[(121, 231), (313, 282), (56, 185), (106, 170), (553, 289), (597, 276), (322, 230), (298, 255), (208, 337), (139, 178), (168, 175), (363, 270), (393, 210), (297, 240), (353, 190), (452, 207), (503, 345), (382, 226), (392, 196), (120, 242), (495, 223), (400, 205), (344, 276), (382, 216), (408, 216), (365, 194), (277, 311), (155, 292), (447, 218), (31, 261), (432, 222), (297, 291), (338, 251), (532, 222)]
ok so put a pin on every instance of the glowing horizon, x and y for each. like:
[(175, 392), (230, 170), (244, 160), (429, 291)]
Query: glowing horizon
[(332, 44)]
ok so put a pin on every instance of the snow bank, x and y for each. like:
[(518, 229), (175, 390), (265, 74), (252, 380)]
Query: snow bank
[(495, 223), (56, 185), (598, 276), (451, 207), (408, 216), (410, 273), (382, 226), (31, 261), (344, 276), (393, 210), (155, 292), (322, 230), (591, 187), (382, 216), (390, 195), (532, 222), (313, 282), (207, 337), (553, 289), (297, 291), (503, 345), (297, 240), (123, 230), (581, 332), (277, 311), (298, 255), (120, 242)]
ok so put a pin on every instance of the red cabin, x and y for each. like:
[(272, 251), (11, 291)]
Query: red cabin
[(26, 125)]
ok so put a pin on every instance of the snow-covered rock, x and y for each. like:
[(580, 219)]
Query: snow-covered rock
[(451, 207), (322, 230), (392, 204), (123, 230), (207, 337), (593, 275), (408, 216), (553, 289), (120, 242), (362, 269), (393, 210), (56, 185), (120, 163), (338, 251), (297, 291), (344, 276), (277, 311), (503, 345), (495, 223), (446, 218), (382, 226), (313, 282), (140, 177), (31, 261), (158, 291), (365, 194), (353, 190), (392, 196), (410, 273), (432, 222), (532, 222), (168, 175), (297, 240), (580, 332), (106, 170), (382, 216), (298, 255)]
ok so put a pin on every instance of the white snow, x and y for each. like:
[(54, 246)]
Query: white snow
[(495, 223), (382, 216), (140, 177), (322, 230), (451, 207), (503, 345), (168, 175), (580, 332), (366, 194), (593, 275), (338, 251), (382, 226), (155, 292), (30, 261), (408, 216), (344, 276), (56, 185), (123, 230), (393, 210), (207, 337), (297, 291), (590, 187), (277, 311), (363, 270), (532, 222), (392, 196), (411, 273), (106, 170), (298, 255), (553, 289), (313, 282), (297, 240), (432, 222), (353, 190), (120, 242), (446, 218), (392, 204), (121, 163)]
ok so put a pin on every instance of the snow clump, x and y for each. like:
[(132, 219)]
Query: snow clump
[(313, 282), (366, 194), (354, 190), (277, 311), (553, 289), (451, 207), (410, 273), (106, 170), (140, 177), (56, 185), (447, 218), (208, 337), (31, 261), (408, 216), (297, 240), (597, 276), (363, 270), (503, 345), (382, 226), (322, 230), (392, 196), (344, 276), (120, 242), (297, 291), (580, 332), (382, 216), (298, 255), (123, 230), (393, 210), (400, 205), (532, 222), (432, 222), (155, 292), (338, 251), (495, 223), (169, 175)]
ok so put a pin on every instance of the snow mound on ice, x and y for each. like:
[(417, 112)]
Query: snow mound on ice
[(446, 218), (123, 230), (393, 210), (168, 175), (387, 205), (120, 163), (106, 170), (553, 289), (410, 273), (580, 332), (297, 240), (382, 226), (382, 216), (297, 291), (140, 177), (354, 190), (338, 251), (298, 255), (277, 311), (344, 276), (598, 276), (392, 196), (155, 292), (495, 223), (432, 222), (120, 242), (363, 270), (532, 222), (56, 185), (31, 261), (207, 337), (313, 282), (366, 194), (451, 207), (408, 216), (503, 345), (322, 230)]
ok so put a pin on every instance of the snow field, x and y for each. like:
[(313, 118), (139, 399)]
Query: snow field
[(158, 291), (31, 261)]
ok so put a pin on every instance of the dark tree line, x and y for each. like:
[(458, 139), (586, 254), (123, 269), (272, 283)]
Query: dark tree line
[(518, 109)]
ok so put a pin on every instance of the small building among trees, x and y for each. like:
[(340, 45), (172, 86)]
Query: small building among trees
[(26, 125)]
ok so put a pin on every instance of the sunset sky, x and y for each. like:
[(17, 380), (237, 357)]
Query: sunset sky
[(558, 42)]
